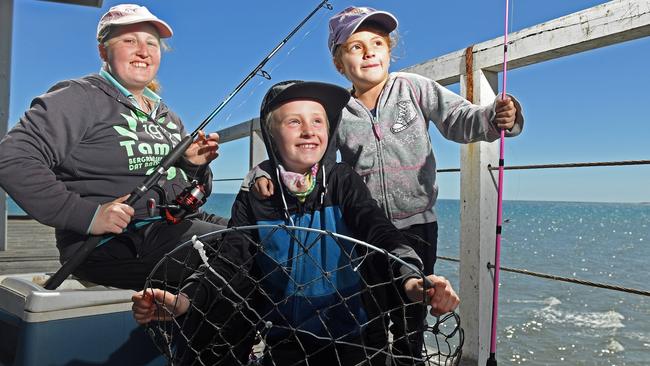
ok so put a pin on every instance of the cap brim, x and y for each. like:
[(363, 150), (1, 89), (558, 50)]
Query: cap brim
[(383, 18), (332, 97), (164, 30)]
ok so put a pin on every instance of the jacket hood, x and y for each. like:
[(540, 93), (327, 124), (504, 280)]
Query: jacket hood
[(108, 88), (332, 97)]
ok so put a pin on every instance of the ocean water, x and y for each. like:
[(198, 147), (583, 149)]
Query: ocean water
[(546, 322)]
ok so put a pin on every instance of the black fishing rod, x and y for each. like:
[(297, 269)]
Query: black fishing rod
[(170, 159)]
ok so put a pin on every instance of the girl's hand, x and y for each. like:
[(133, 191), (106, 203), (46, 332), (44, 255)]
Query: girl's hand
[(263, 188), (506, 113)]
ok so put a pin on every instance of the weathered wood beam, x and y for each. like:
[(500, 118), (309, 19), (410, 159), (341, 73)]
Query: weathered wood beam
[(237, 131), (257, 150), (606, 24)]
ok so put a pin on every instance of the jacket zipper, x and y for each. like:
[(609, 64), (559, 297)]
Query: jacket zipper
[(298, 262), (376, 129)]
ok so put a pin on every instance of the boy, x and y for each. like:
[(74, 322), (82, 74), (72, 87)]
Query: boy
[(289, 278)]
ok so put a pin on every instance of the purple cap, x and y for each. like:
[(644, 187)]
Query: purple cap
[(345, 23)]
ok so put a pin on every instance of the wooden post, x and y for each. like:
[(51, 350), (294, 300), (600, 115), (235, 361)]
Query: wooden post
[(478, 201), (6, 26)]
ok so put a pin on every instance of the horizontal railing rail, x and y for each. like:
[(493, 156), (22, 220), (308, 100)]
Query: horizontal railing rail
[(561, 278)]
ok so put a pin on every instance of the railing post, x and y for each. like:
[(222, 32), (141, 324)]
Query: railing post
[(257, 150), (478, 198), (6, 25)]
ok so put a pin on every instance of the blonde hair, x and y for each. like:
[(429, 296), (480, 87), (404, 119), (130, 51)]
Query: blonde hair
[(268, 122), (390, 38), (155, 86)]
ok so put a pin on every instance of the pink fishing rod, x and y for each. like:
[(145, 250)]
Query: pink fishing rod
[(492, 361)]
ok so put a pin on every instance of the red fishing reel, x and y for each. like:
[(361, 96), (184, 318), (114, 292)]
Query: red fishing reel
[(186, 203)]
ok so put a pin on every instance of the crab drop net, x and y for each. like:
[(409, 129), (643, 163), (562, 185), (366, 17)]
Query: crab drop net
[(255, 303)]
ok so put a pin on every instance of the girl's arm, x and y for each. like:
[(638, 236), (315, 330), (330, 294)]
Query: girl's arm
[(461, 121)]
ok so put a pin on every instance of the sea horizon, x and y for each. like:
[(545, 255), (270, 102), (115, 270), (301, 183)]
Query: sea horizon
[(13, 209)]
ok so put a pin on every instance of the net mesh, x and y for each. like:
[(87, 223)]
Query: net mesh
[(322, 299)]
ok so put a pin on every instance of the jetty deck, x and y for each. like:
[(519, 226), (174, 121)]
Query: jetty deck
[(30, 248)]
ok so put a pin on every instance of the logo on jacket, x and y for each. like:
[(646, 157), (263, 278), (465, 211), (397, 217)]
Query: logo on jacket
[(405, 116), (147, 142)]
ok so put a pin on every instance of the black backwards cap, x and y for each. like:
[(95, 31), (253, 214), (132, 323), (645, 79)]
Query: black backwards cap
[(332, 97)]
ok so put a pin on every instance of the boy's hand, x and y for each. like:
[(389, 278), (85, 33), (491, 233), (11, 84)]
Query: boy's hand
[(441, 297), (145, 309), (263, 188), (506, 113)]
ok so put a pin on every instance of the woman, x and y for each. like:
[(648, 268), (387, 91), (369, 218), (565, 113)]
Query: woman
[(85, 144)]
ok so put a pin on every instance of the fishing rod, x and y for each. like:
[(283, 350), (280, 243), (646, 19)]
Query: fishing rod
[(492, 361), (170, 159)]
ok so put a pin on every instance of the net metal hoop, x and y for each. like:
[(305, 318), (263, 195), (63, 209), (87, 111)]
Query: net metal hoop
[(435, 353)]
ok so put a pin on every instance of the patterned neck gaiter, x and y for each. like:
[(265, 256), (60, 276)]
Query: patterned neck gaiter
[(299, 185)]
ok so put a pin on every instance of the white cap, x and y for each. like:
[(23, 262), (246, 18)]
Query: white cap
[(124, 14)]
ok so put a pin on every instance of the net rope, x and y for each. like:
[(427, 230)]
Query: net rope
[(294, 305)]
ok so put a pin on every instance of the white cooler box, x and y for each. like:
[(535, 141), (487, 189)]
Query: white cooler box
[(77, 324)]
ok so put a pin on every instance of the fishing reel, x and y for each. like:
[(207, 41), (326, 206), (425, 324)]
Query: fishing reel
[(185, 204)]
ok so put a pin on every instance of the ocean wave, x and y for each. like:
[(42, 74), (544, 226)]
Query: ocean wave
[(552, 301), (548, 301), (595, 320), (642, 337), (614, 346)]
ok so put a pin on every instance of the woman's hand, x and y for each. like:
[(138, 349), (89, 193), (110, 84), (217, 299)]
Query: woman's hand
[(204, 149), (112, 217), (441, 296), (145, 309)]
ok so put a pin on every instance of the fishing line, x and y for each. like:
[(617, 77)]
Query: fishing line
[(513, 151), (318, 21)]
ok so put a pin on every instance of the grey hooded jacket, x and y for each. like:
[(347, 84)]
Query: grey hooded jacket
[(391, 148)]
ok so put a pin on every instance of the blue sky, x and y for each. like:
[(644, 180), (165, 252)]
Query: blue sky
[(587, 107)]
